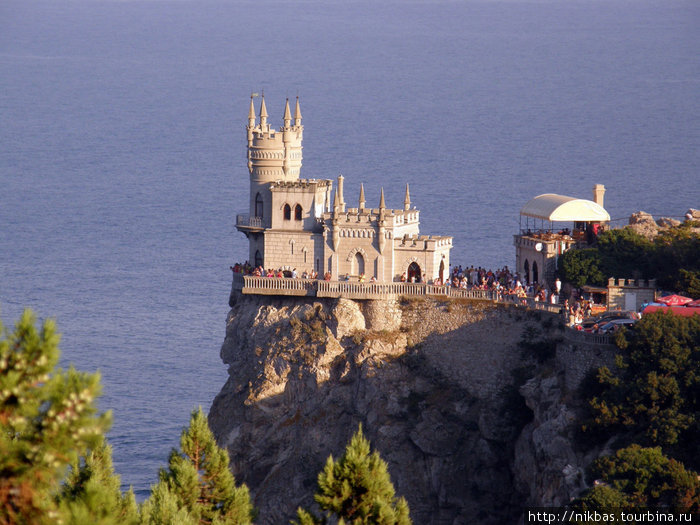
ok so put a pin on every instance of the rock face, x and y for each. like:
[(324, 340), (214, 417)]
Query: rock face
[(440, 389), (644, 224)]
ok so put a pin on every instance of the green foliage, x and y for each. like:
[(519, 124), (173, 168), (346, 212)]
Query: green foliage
[(580, 267), (677, 261), (48, 419), (163, 507), (357, 490), (91, 492), (198, 485), (625, 253), (643, 477), (653, 396), (672, 258)]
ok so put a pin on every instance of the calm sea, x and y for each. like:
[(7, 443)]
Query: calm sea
[(122, 152)]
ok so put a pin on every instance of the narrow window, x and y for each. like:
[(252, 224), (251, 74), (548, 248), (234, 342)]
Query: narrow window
[(297, 212), (287, 212), (258, 206)]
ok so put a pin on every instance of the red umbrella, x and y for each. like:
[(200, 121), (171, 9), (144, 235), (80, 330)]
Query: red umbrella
[(696, 302), (674, 300)]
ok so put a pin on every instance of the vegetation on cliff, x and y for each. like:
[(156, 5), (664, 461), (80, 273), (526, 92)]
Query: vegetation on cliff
[(648, 407), (357, 490), (671, 258)]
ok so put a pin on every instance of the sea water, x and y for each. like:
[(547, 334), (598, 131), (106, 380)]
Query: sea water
[(122, 152)]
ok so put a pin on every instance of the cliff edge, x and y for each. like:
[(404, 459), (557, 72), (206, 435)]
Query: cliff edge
[(471, 425)]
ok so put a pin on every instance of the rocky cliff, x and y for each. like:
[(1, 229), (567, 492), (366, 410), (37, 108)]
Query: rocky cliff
[(468, 402)]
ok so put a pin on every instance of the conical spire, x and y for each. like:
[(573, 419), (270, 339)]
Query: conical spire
[(382, 204), (335, 202), (297, 114), (251, 113), (263, 113), (407, 200), (362, 197), (287, 115)]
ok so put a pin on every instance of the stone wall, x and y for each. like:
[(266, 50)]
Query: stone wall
[(577, 359)]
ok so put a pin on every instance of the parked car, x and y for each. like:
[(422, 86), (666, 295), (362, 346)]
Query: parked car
[(593, 323), (615, 325)]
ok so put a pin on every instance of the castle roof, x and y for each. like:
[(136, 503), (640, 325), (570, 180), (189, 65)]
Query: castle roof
[(553, 207)]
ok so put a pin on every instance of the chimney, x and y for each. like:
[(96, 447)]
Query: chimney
[(599, 194)]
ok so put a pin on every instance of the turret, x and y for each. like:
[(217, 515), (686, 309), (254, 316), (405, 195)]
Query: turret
[(273, 155), (287, 115), (381, 241), (297, 115), (251, 114), (263, 114)]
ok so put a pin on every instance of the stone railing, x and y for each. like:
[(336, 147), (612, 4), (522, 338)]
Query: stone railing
[(248, 284)]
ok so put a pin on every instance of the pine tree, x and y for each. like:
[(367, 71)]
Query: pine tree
[(163, 508), (91, 493), (48, 419), (199, 481), (643, 477), (357, 490)]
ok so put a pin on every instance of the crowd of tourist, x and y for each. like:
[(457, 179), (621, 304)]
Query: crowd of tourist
[(503, 282)]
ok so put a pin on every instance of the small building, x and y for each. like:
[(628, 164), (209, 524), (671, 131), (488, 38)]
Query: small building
[(630, 294), (551, 224), (291, 222)]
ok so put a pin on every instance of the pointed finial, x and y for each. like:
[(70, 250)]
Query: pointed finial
[(382, 204), (362, 197), (335, 202), (287, 115), (407, 200), (251, 112), (263, 112), (297, 114), (341, 196)]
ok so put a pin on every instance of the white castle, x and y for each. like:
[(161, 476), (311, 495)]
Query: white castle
[(292, 224)]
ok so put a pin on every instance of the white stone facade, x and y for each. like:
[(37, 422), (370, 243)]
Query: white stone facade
[(292, 224)]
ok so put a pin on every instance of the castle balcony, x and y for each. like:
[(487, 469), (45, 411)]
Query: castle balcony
[(248, 284), (246, 223)]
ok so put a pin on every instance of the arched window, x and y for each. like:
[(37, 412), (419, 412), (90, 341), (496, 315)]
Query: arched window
[(287, 212), (359, 264), (414, 273), (535, 276), (258, 258), (258, 206), (527, 272), (442, 271), (297, 212)]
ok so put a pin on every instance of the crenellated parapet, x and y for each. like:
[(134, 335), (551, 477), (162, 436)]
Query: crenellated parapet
[(274, 154)]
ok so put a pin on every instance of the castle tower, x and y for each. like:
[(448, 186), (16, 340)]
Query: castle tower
[(273, 155)]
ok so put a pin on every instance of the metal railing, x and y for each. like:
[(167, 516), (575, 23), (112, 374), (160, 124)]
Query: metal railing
[(245, 219), (578, 336)]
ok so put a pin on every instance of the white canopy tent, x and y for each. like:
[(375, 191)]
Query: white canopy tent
[(552, 207)]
